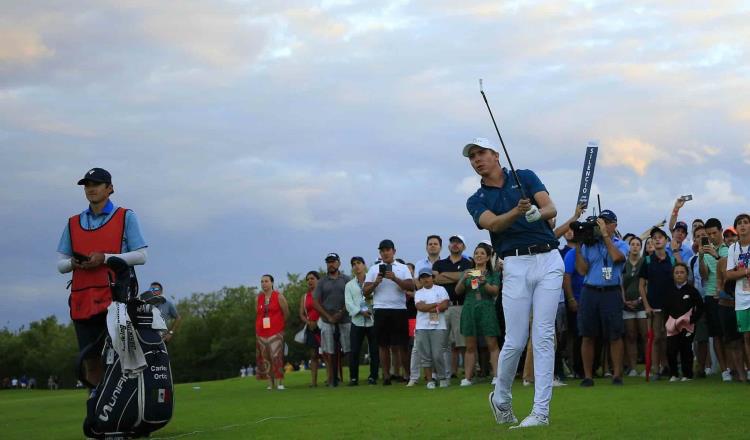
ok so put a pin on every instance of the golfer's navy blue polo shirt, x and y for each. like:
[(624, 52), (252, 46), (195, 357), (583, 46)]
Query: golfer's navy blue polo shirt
[(521, 233)]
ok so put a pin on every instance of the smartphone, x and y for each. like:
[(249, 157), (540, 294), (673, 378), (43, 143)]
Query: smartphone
[(381, 269), (388, 268), (687, 197), (704, 241), (80, 257)]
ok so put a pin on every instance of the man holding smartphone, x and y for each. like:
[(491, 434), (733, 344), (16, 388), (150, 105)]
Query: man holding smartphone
[(101, 231), (387, 283)]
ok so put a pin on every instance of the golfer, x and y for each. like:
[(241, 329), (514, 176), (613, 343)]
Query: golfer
[(532, 277)]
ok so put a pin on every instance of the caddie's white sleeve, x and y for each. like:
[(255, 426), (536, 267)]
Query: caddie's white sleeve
[(64, 264), (133, 258)]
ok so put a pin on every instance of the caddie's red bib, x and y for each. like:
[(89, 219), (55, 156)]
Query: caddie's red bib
[(90, 292)]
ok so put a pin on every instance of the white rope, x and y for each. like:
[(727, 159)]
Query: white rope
[(224, 428)]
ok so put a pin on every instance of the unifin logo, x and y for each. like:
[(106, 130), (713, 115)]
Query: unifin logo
[(106, 409)]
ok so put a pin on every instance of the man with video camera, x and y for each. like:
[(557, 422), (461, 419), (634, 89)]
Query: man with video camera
[(600, 261)]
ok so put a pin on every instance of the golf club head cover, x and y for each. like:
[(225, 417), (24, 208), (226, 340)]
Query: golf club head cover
[(533, 214), (121, 284), (149, 297)]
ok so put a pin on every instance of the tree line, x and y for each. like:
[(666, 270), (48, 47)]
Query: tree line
[(215, 339)]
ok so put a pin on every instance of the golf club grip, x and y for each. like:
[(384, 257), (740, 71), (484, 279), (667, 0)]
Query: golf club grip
[(507, 156)]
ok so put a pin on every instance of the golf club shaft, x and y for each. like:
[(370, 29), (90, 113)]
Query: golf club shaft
[(507, 156)]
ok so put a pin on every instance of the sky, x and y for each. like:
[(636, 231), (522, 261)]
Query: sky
[(255, 137)]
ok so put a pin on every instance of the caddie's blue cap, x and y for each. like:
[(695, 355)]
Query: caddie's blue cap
[(425, 271), (608, 215)]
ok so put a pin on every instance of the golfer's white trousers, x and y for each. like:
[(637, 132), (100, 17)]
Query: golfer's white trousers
[(531, 286)]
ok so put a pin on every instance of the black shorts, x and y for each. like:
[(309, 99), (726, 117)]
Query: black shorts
[(91, 332), (391, 327), (713, 322), (728, 319)]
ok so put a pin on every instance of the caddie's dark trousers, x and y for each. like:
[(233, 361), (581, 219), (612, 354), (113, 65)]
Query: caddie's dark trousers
[(683, 345), (357, 337)]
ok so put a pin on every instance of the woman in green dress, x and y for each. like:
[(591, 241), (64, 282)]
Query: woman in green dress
[(481, 286)]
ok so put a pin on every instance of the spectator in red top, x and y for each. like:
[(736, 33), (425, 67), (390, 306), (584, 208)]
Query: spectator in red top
[(271, 313), (309, 316)]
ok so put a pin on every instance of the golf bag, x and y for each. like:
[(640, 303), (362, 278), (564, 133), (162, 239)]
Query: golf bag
[(131, 403)]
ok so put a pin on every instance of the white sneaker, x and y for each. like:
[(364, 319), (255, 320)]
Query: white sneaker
[(445, 383), (269, 387), (532, 420), (494, 379), (280, 387), (674, 379), (633, 373), (431, 385), (411, 383), (748, 374), (466, 382), (558, 383), (708, 371), (526, 383), (607, 374), (502, 415), (726, 375), (685, 379)]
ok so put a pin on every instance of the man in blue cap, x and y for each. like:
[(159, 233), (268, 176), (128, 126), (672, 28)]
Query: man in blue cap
[(600, 309)]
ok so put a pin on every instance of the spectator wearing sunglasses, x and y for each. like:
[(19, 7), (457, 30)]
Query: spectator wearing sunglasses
[(168, 312)]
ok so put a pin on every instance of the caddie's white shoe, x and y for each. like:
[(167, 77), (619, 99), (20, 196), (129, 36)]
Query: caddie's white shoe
[(411, 383), (280, 387), (494, 379), (532, 420), (502, 415), (466, 383)]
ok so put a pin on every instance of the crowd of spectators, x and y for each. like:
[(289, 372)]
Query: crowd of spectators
[(689, 287)]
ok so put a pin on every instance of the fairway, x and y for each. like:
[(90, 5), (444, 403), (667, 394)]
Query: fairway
[(243, 408)]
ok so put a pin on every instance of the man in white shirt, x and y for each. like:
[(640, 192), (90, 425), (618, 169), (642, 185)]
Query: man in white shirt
[(431, 336), (386, 283)]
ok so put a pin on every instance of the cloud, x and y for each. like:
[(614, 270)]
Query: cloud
[(22, 46), (721, 192), (275, 131), (468, 185), (631, 152)]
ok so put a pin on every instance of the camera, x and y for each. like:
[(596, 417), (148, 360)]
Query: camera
[(587, 232)]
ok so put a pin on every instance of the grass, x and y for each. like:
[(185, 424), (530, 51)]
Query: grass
[(244, 409)]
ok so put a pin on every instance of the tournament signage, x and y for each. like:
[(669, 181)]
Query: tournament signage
[(587, 177)]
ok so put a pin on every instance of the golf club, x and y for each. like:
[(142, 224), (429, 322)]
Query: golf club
[(510, 164)]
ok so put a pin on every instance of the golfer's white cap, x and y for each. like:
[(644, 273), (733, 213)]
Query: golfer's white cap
[(478, 142)]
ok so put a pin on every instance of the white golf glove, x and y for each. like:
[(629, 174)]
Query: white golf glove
[(533, 214)]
